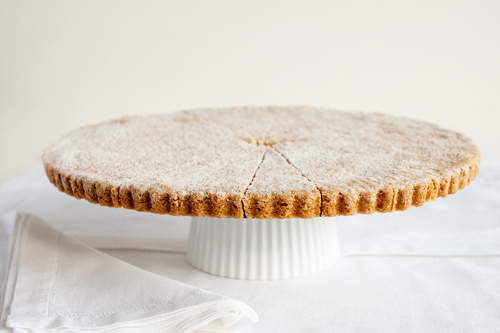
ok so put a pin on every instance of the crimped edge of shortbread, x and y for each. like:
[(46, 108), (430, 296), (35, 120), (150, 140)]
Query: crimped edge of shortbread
[(390, 199), (305, 204)]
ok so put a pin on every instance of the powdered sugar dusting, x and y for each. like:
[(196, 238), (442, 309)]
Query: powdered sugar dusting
[(277, 177)]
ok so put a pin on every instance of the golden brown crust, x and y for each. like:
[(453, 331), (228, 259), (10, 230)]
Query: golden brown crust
[(299, 204)]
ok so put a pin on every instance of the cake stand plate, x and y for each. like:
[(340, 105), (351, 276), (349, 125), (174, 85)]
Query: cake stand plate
[(262, 249)]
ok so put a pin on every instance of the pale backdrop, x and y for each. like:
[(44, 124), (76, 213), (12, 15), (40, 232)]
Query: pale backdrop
[(64, 63)]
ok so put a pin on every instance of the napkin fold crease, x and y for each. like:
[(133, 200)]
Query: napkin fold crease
[(71, 286)]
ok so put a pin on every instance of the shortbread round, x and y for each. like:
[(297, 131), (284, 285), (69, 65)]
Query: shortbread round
[(262, 162)]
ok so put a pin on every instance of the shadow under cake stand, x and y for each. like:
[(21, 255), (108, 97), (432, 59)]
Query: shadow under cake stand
[(263, 184)]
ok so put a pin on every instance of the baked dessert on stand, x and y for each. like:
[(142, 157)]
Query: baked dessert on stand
[(263, 184)]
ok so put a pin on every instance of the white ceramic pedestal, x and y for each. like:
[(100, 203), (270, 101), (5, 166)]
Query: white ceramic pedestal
[(257, 249)]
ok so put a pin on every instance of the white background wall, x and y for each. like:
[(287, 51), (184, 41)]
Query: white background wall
[(64, 63)]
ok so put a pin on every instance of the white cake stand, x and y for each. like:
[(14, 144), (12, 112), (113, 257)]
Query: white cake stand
[(257, 249)]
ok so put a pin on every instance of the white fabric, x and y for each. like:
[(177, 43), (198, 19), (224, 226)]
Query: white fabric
[(428, 269), (365, 293), (56, 283)]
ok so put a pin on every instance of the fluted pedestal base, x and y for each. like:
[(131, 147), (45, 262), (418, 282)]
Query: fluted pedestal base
[(257, 249)]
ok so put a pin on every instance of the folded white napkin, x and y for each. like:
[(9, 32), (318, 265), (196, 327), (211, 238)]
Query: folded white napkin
[(56, 283)]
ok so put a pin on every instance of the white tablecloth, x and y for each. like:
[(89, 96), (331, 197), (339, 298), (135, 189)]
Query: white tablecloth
[(430, 269)]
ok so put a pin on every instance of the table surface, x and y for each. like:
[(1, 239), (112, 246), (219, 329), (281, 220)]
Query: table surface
[(433, 268)]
